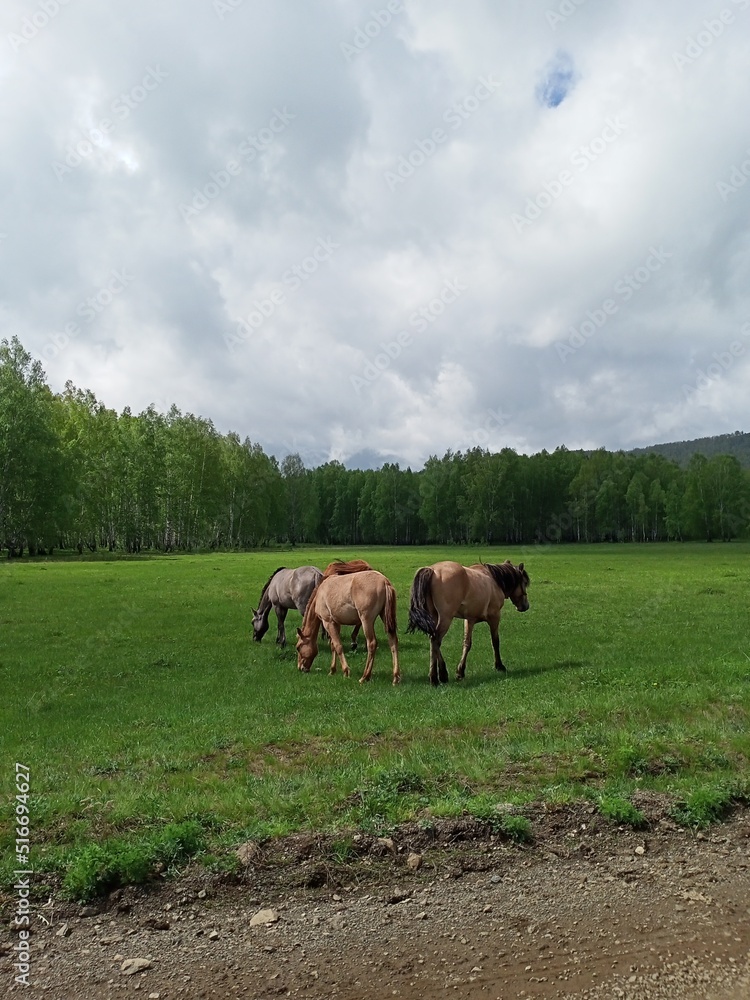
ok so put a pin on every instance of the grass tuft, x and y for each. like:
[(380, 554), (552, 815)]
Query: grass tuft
[(390, 796), (620, 810), (703, 807), (97, 869), (501, 818)]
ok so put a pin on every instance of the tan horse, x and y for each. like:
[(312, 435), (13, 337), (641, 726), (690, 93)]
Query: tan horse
[(447, 590), (349, 593)]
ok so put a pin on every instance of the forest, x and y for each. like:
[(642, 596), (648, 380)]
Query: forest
[(75, 475)]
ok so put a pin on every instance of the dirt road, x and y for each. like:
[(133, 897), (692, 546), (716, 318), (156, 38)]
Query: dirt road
[(587, 910)]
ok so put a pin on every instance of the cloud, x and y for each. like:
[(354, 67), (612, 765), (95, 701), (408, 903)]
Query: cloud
[(284, 142)]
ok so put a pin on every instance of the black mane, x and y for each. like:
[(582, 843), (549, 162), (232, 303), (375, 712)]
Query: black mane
[(507, 576), (267, 584)]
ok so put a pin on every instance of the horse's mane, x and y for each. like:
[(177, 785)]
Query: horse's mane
[(340, 568), (310, 609), (267, 584), (507, 576)]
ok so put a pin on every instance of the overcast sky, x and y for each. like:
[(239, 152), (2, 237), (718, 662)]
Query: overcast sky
[(379, 229)]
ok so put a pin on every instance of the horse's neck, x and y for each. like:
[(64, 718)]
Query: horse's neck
[(264, 608), (311, 625)]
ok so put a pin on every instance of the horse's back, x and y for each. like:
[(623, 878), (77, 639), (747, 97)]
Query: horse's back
[(448, 569), (290, 586), (346, 598), (462, 591), (303, 583), (362, 584)]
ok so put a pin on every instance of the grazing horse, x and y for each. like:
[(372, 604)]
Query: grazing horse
[(285, 590), (476, 593), (349, 593)]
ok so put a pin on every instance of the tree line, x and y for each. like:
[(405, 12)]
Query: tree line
[(77, 475)]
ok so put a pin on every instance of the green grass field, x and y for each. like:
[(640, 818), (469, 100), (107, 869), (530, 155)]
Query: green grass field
[(132, 691)]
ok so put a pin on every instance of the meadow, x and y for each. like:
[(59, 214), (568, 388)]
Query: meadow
[(132, 691)]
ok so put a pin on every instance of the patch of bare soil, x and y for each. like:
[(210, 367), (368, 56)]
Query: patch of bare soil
[(587, 910)]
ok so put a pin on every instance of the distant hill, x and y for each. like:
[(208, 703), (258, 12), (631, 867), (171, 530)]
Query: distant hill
[(737, 444)]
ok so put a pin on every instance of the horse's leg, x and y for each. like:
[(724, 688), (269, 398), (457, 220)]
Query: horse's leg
[(461, 669), (334, 632), (355, 633), (281, 634), (393, 643), (442, 667), (368, 627), (494, 624), (438, 669), (442, 628), (434, 653), (333, 660)]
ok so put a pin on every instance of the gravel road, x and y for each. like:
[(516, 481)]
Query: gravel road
[(586, 910)]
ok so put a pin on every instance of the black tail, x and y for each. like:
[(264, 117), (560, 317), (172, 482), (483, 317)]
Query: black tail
[(419, 613)]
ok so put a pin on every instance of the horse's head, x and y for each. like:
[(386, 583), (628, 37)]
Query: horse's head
[(260, 625), (518, 595), (307, 650)]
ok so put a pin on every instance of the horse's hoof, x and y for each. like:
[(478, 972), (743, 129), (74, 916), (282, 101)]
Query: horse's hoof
[(397, 680)]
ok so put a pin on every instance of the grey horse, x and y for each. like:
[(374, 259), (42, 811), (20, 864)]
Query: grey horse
[(287, 590)]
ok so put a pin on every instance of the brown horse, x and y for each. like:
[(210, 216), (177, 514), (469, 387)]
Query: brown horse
[(350, 592), (476, 593)]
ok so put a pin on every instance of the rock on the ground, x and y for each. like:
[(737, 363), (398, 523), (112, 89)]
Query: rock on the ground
[(132, 965)]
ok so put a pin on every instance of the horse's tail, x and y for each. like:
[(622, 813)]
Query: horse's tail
[(389, 612), (419, 612), (340, 568)]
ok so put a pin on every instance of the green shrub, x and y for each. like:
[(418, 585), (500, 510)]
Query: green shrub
[(517, 828), (500, 820), (99, 868), (703, 807), (619, 809)]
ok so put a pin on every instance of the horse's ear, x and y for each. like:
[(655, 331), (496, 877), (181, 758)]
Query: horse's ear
[(299, 632), (520, 566), (253, 610)]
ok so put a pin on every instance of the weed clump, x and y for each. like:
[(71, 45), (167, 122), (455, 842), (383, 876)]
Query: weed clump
[(501, 819), (99, 868), (703, 807), (620, 810)]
